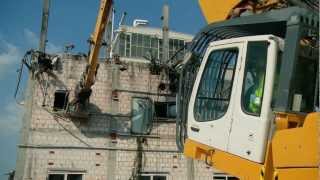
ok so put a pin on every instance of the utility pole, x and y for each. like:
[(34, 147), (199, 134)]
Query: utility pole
[(44, 25), (165, 34), (24, 159)]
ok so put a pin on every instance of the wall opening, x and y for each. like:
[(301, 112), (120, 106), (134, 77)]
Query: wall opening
[(74, 177), (56, 177), (165, 109), (65, 176), (61, 99)]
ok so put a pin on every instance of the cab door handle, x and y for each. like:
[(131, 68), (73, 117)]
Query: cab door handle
[(195, 129)]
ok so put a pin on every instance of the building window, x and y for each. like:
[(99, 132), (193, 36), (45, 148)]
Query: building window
[(254, 77), (65, 176), (175, 47), (213, 96), (155, 47), (125, 45), (144, 45), (140, 46), (160, 49), (56, 177), (122, 43), (61, 98), (165, 109), (128, 45), (223, 176), (152, 177)]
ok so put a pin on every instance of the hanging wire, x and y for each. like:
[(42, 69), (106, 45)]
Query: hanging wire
[(26, 61), (58, 117), (20, 70)]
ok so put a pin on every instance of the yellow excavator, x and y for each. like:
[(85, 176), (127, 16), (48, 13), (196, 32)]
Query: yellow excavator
[(248, 101)]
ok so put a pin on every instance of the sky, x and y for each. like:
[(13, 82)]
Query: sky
[(70, 21)]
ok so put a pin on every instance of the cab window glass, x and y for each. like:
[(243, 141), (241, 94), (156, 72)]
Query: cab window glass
[(254, 77), (276, 79), (303, 88), (215, 87)]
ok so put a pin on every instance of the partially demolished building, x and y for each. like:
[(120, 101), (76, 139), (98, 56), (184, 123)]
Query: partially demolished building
[(117, 141)]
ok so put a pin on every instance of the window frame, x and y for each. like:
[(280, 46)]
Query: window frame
[(150, 101), (244, 78), (223, 175), (231, 82), (151, 175), (154, 45), (308, 103), (66, 173)]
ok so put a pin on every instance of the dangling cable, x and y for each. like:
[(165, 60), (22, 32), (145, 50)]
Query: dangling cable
[(26, 61)]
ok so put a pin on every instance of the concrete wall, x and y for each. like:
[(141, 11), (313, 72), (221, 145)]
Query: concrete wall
[(53, 143)]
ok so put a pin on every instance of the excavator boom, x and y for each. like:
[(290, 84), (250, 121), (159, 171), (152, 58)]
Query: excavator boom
[(78, 106), (102, 20)]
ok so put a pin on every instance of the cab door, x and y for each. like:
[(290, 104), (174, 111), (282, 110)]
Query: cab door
[(252, 110), (211, 102)]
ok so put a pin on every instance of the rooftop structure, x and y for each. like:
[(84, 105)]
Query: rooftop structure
[(143, 42)]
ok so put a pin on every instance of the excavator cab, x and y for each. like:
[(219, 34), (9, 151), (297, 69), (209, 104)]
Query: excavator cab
[(249, 96), (230, 104)]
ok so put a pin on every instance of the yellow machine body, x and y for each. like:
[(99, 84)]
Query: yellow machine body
[(292, 153), (214, 10)]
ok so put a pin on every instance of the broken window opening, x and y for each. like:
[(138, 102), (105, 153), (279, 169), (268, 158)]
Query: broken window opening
[(61, 99), (165, 110)]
